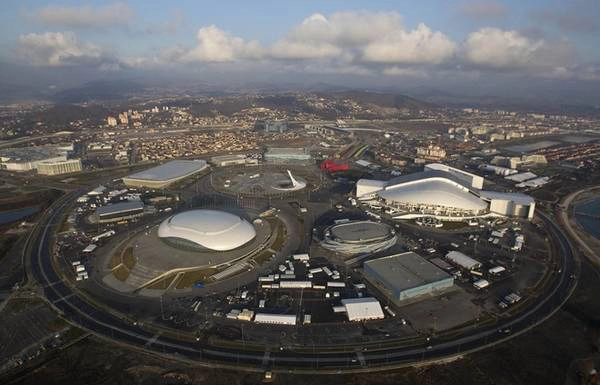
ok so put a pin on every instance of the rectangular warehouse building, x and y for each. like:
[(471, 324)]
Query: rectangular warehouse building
[(284, 155), (279, 319), (362, 309), (463, 260), (232, 160), (406, 275), (165, 174), (119, 211)]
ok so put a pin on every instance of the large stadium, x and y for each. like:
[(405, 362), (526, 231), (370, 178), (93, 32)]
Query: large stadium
[(165, 174), (443, 192), (215, 242), (201, 230), (358, 237)]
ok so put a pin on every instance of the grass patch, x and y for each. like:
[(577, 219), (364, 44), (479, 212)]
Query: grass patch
[(123, 256), (279, 237), (121, 272), (189, 278), (263, 257), (163, 284), (127, 258), (64, 225)]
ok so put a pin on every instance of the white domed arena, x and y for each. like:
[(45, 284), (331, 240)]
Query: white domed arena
[(202, 230)]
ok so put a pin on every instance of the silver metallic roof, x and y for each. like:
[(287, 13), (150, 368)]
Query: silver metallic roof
[(214, 230), (170, 170), (435, 191)]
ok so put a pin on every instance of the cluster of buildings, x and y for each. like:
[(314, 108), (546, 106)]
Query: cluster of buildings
[(431, 153), (323, 281), (181, 146), (46, 160), (442, 192)]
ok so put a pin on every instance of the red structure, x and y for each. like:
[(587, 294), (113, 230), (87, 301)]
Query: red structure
[(331, 166)]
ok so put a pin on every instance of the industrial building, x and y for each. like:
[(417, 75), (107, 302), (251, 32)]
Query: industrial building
[(406, 275), (119, 211), (58, 167), (232, 160), (28, 158), (443, 192), (201, 230), (286, 154), (362, 309), (165, 174), (268, 125), (357, 237), (463, 260), (278, 319)]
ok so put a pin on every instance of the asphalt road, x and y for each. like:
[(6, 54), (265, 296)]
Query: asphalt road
[(105, 324)]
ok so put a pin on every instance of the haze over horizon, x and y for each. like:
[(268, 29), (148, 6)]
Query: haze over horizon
[(544, 50)]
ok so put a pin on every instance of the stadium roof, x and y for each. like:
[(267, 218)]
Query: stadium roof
[(435, 191), (361, 231), (174, 169), (517, 198), (210, 229)]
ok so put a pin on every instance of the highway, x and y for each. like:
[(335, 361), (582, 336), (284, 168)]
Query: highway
[(103, 323)]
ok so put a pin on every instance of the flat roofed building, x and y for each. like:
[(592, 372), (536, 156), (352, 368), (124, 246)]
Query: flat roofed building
[(119, 211), (510, 204), (406, 275), (463, 260), (165, 174), (232, 160), (58, 167), (279, 319), (362, 309), (287, 154)]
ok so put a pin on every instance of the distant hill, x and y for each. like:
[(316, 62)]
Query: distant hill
[(62, 114), (98, 91), (382, 99)]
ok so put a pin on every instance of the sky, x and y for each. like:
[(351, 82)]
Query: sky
[(443, 43)]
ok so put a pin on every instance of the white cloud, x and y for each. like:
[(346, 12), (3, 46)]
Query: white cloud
[(374, 37), (60, 49), (216, 45), (347, 41), (499, 49), (420, 45), (85, 16)]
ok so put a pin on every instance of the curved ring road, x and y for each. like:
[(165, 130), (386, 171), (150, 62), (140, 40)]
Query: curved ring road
[(66, 299)]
